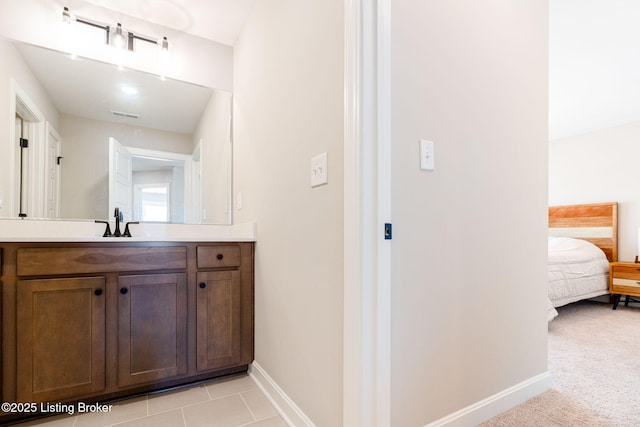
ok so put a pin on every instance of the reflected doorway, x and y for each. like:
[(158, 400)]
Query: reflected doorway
[(155, 186), (152, 202)]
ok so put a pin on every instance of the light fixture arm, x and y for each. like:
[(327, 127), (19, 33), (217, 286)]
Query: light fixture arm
[(67, 17), (133, 36)]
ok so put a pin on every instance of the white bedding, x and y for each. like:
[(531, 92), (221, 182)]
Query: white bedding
[(577, 270)]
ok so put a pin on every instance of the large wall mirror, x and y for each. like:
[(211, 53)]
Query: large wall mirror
[(90, 136)]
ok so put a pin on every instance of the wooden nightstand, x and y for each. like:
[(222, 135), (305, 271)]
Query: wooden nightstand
[(624, 279)]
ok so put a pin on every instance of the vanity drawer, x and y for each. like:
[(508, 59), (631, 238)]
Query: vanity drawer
[(77, 260), (218, 256)]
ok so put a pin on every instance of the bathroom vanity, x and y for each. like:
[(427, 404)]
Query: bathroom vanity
[(87, 321)]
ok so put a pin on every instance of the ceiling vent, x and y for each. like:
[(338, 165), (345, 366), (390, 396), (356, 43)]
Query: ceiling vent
[(123, 114)]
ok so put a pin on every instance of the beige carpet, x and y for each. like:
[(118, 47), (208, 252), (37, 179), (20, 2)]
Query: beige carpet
[(594, 358)]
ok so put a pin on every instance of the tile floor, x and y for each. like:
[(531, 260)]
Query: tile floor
[(229, 402)]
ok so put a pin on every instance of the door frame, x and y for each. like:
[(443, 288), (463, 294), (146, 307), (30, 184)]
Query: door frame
[(367, 207), (23, 105)]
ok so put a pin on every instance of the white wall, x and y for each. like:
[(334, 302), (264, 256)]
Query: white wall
[(469, 244), (85, 164), (600, 167), (213, 132), (288, 108)]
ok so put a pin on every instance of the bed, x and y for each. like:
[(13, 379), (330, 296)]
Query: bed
[(582, 242)]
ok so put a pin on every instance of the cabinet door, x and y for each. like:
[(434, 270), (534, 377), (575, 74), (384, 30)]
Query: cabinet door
[(218, 319), (60, 338), (152, 323)]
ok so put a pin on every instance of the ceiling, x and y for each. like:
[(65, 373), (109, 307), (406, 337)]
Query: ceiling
[(217, 20), (594, 65)]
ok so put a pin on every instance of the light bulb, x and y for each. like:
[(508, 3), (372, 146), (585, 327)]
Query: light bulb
[(118, 38)]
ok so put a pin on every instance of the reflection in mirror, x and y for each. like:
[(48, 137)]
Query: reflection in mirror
[(177, 136), (158, 184)]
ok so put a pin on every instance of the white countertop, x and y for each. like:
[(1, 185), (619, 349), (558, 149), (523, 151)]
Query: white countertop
[(25, 230)]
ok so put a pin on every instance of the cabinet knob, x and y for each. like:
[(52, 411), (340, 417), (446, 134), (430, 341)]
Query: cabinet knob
[(97, 292), (202, 285), (219, 256), (124, 290)]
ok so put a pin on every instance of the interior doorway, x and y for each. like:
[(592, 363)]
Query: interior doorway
[(28, 135)]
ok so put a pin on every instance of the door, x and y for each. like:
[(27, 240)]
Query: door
[(152, 326), (52, 173), (60, 338), (218, 319), (120, 179)]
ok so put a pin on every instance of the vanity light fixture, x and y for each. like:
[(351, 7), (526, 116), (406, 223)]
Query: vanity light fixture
[(69, 18), (121, 38)]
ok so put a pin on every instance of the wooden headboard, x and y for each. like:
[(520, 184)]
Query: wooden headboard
[(596, 223)]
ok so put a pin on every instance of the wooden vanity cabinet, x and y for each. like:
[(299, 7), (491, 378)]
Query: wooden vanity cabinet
[(94, 321), (152, 328), (60, 338), (218, 319)]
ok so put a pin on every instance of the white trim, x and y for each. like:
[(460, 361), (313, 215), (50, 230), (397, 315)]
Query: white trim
[(285, 406), (354, 364), (383, 300), (494, 405), (22, 104), (366, 340), (351, 372), (143, 152)]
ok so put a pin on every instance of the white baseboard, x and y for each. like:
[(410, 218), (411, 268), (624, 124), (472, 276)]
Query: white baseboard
[(285, 406), (494, 405)]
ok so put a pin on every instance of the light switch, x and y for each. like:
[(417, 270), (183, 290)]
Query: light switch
[(319, 170), (427, 162)]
